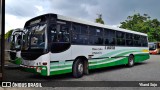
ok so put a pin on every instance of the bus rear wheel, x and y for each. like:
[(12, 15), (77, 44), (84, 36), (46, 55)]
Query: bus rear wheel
[(130, 60), (78, 68)]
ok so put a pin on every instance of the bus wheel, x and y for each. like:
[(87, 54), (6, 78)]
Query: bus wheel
[(130, 60), (78, 68), (12, 55)]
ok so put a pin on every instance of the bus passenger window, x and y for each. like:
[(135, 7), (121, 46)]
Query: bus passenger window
[(109, 37), (80, 34), (63, 34), (84, 29), (95, 36), (76, 28), (129, 39), (144, 41), (120, 36), (59, 33), (137, 40)]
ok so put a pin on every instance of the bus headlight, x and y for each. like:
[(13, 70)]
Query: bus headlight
[(44, 63)]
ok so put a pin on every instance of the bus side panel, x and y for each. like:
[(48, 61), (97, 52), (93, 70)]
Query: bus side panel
[(113, 58), (61, 63), (56, 68), (120, 57), (109, 62), (141, 57), (60, 72)]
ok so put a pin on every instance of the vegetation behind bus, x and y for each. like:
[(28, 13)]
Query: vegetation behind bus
[(99, 19), (144, 24), (8, 34)]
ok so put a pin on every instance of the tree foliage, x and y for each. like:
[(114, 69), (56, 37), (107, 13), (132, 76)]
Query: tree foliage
[(99, 19), (8, 34), (143, 23)]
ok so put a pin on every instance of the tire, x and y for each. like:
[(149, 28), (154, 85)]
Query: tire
[(12, 55), (78, 68), (131, 61)]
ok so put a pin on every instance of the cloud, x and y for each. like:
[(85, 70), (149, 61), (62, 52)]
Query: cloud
[(13, 22), (113, 11), (40, 8), (20, 8)]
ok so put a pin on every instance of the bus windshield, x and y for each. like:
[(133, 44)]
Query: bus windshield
[(16, 40), (35, 37), (152, 46)]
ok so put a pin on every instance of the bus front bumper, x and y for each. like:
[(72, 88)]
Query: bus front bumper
[(42, 70), (17, 61)]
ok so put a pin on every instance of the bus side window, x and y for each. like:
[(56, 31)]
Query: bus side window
[(95, 36), (137, 40), (144, 41), (64, 33), (76, 28), (52, 28), (109, 37), (120, 36), (79, 34), (129, 39)]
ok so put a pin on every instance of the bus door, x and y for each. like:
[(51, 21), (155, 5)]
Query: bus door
[(60, 45)]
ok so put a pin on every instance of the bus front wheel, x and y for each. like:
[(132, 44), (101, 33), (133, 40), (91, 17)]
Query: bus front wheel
[(130, 60), (78, 68)]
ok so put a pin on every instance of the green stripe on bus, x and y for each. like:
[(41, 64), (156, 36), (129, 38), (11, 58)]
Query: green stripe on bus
[(120, 54), (118, 62), (33, 70), (60, 71), (17, 61), (62, 66), (141, 57), (117, 51)]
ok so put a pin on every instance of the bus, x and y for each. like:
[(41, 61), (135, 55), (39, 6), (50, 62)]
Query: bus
[(56, 44), (15, 46), (154, 47)]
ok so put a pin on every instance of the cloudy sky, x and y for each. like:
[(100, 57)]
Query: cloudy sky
[(113, 11)]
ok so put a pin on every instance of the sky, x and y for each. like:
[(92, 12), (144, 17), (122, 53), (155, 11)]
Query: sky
[(17, 12)]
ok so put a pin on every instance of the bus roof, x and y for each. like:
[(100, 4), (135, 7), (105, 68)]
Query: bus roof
[(17, 30), (61, 17)]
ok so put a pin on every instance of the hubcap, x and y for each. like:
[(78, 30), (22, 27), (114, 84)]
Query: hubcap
[(131, 61), (80, 68)]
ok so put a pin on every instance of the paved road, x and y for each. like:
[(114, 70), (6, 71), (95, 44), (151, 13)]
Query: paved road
[(144, 71)]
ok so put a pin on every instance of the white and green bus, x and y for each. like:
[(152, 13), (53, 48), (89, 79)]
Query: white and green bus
[(55, 44), (15, 46)]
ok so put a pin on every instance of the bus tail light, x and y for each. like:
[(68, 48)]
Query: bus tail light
[(44, 63)]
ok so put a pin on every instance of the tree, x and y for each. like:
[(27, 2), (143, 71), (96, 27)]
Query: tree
[(99, 19), (8, 34), (144, 24)]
